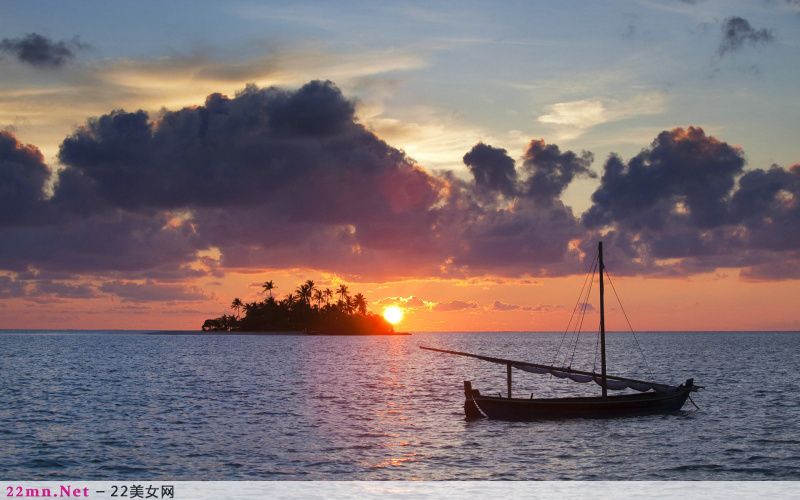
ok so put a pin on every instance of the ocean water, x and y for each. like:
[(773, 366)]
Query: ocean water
[(128, 405)]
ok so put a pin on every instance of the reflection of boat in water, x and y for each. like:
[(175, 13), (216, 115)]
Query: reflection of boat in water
[(654, 397)]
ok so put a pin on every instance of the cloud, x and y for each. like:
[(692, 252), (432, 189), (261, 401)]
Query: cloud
[(407, 303), (23, 175), (261, 147), (584, 114), (154, 292), (454, 305), (502, 306), (152, 83), (45, 290), (737, 31), (552, 307), (572, 119), (529, 235), (11, 288), (492, 169), (526, 240), (40, 51), (686, 205), (684, 174), (774, 270), (288, 178), (270, 177), (121, 243), (551, 171)]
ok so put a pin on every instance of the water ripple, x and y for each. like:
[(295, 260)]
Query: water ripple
[(117, 406)]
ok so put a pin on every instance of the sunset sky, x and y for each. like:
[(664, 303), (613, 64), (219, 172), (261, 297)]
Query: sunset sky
[(457, 159)]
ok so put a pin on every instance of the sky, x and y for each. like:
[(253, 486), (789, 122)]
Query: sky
[(458, 159)]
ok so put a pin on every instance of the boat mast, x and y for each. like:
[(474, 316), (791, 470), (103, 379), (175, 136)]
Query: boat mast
[(604, 384)]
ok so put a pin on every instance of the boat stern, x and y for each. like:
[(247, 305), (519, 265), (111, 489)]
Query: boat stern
[(471, 410)]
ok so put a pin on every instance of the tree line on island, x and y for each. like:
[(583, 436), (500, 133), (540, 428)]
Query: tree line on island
[(309, 309)]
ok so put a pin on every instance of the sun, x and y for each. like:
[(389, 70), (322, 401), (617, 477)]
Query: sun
[(393, 314)]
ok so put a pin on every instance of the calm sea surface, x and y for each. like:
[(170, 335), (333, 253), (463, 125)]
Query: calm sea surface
[(118, 405)]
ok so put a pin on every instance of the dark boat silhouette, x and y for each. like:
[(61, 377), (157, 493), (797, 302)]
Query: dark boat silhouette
[(653, 397)]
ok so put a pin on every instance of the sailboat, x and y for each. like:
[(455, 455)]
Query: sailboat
[(653, 398)]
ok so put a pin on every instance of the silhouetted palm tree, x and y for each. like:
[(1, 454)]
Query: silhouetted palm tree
[(304, 293), (360, 303), (236, 304), (328, 295), (268, 286), (344, 296), (319, 296)]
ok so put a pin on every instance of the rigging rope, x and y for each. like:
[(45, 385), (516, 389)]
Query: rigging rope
[(580, 311), (629, 324), (577, 304), (579, 327)]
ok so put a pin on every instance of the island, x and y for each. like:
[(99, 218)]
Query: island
[(309, 309)]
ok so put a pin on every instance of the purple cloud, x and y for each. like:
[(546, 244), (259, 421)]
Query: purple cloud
[(551, 171), (40, 51), (153, 292), (278, 178), (737, 31), (492, 168)]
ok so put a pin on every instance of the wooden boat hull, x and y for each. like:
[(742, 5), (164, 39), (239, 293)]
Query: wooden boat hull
[(503, 408)]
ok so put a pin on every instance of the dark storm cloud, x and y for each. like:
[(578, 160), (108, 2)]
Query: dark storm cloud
[(758, 195), (273, 177), (526, 239), (687, 197), (767, 204), (737, 31), (302, 150), (23, 175), (530, 236), (121, 243), (40, 51), (287, 178), (551, 171), (492, 168), (277, 178), (547, 171), (684, 174), (40, 238)]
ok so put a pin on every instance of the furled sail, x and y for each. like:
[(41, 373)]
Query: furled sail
[(612, 382)]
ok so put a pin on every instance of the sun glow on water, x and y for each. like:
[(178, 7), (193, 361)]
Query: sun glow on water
[(393, 314)]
